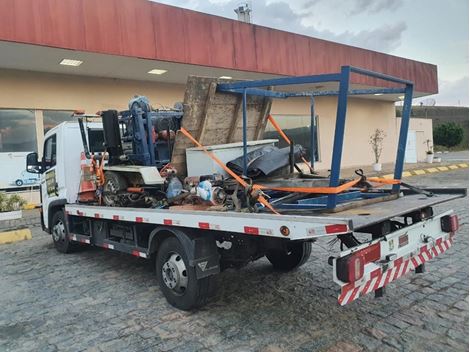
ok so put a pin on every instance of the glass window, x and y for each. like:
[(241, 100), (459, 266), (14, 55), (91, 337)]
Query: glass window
[(17, 131), (297, 128), (50, 152), (53, 118)]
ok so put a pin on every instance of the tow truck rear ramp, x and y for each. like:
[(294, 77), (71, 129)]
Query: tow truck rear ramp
[(404, 235)]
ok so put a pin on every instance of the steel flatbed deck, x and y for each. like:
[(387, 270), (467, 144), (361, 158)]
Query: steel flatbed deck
[(300, 226)]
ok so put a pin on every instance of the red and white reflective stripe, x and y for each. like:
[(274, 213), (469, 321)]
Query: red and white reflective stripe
[(139, 254), (108, 246), (398, 268), (84, 240), (208, 226), (332, 229), (80, 213), (116, 217), (251, 230), (98, 215)]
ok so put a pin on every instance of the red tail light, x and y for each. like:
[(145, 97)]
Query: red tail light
[(351, 267), (450, 223)]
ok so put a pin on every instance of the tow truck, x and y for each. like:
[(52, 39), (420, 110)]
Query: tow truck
[(280, 218)]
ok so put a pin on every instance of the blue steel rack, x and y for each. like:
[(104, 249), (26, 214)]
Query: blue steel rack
[(258, 87)]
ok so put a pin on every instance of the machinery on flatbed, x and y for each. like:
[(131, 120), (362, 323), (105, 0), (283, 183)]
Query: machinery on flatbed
[(120, 181)]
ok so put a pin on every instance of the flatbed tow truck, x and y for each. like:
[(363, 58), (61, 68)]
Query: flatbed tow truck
[(190, 247)]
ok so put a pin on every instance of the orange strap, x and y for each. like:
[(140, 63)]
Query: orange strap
[(260, 199), (321, 190), (284, 136), (384, 180)]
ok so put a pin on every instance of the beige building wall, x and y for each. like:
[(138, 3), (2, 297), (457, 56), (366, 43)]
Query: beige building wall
[(32, 90)]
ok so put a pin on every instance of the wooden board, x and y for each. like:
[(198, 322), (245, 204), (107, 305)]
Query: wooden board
[(216, 118)]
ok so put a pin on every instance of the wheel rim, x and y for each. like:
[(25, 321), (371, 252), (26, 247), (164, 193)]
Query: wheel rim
[(58, 231), (174, 274)]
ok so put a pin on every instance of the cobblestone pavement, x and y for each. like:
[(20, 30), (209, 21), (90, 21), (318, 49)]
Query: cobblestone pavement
[(104, 301)]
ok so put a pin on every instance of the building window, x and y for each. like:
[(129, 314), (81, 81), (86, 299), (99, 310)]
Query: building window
[(52, 118), (50, 152), (17, 131), (297, 128)]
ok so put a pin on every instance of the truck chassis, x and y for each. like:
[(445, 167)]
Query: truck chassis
[(190, 247)]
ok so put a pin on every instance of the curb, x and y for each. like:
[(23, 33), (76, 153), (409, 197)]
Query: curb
[(430, 170), (15, 236)]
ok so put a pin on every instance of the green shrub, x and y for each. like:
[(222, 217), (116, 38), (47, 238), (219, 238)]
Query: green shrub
[(11, 203), (448, 134)]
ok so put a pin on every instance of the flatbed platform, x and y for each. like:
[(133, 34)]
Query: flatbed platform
[(299, 226)]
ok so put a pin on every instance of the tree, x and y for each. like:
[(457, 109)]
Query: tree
[(448, 134)]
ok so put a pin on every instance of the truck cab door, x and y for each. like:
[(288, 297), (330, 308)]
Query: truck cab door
[(49, 185)]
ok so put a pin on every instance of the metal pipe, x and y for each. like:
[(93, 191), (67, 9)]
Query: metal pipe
[(339, 133), (382, 76), (329, 77), (405, 121), (245, 127), (312, 132), (291, 157)]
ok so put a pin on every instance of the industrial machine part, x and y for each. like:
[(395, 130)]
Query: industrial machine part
[(140, 135)]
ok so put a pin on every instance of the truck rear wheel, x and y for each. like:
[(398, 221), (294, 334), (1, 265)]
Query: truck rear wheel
[(177, 279), (60, 234), (293, 257)]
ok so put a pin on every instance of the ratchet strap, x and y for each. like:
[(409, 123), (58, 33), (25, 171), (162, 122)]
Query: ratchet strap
[(284, 136), (321, 190), (264, 201)]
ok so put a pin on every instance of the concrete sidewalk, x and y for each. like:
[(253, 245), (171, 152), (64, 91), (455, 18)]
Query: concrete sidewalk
[(408, 170)]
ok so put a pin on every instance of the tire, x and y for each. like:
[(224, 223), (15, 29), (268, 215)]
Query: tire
[(60, 234), (188, 292), (113, 183), (286, 260), (19, 182)]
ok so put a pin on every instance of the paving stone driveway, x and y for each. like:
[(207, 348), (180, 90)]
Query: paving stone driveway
[(103, 301)]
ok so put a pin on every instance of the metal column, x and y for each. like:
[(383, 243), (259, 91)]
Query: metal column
[(245, 127), (405, 121), (339, 133), (312, 132)]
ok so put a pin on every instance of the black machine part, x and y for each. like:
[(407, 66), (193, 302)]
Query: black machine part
[(265, 161), (112, 136)]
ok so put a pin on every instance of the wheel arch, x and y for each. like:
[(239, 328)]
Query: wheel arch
[(200, 248), (52, 208)]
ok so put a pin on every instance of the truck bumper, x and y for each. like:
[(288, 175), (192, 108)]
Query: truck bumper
[(401, 252)]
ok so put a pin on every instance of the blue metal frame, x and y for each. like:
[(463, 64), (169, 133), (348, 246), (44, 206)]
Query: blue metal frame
[(258, 88)]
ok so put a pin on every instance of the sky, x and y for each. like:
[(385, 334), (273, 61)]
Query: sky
[(432, 31)]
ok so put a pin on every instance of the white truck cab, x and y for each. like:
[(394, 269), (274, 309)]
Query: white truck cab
[(60, 165)]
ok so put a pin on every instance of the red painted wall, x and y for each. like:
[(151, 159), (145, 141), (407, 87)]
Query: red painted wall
[(144, 29)]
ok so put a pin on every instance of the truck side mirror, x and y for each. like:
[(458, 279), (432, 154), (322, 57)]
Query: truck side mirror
[(32, 163)]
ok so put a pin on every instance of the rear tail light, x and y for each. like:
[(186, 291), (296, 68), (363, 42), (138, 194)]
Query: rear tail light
[(351, 267), (450, 223)]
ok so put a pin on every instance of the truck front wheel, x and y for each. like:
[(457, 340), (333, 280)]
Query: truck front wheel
[(177, 279), (60, 234), (290, 258)]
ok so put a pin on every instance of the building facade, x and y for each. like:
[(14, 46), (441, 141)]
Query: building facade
[(119, 43)]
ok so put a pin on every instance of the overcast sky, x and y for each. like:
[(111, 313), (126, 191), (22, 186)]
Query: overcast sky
[(433, 31)]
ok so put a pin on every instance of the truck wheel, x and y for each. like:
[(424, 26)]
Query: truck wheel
[(177, 279), (19, 182), (60, 235), (295, 256)]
